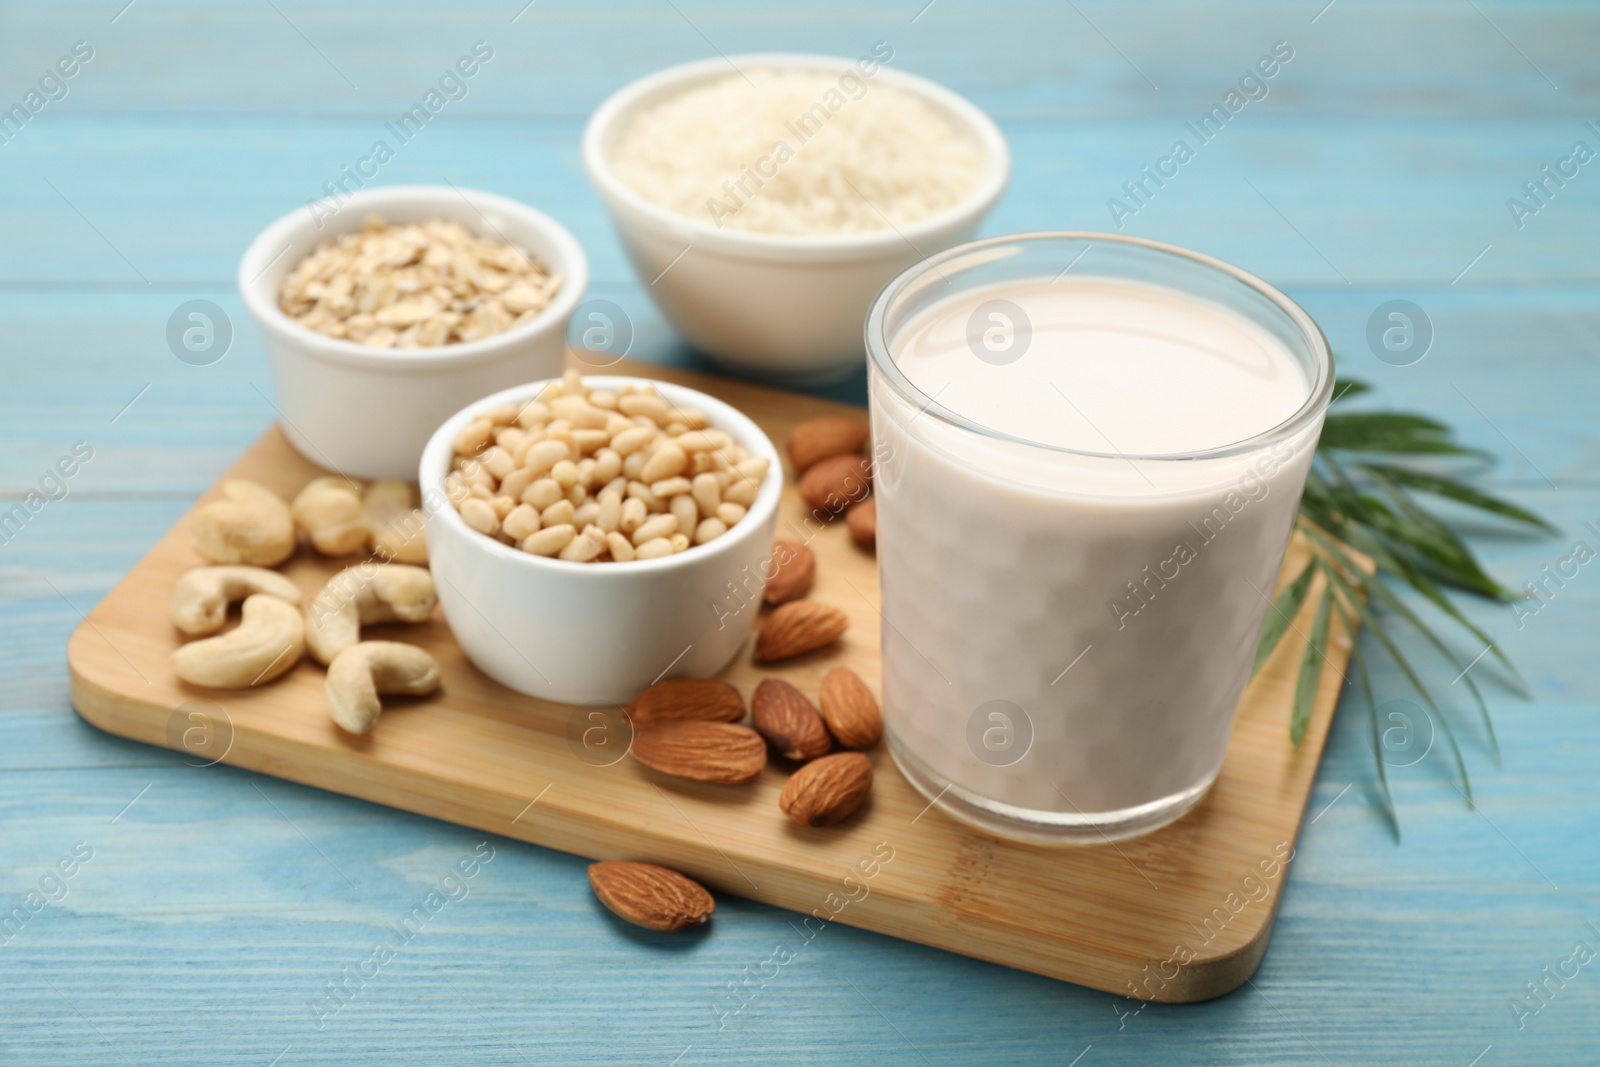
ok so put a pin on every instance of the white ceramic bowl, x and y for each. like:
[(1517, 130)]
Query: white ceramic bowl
[(592, 633), (367, 412), (782, 307)]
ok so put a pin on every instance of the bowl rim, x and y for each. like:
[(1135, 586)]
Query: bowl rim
[(653, 87), (277, 236), (436, 454)]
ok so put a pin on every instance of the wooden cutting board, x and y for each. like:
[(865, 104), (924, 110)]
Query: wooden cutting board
[(1182, 914)]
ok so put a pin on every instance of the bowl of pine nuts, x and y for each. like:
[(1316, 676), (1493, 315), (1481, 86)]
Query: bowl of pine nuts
[(592, 535), (384, 311)]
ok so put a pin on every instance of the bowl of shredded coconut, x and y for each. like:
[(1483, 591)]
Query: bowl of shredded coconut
[(764, 200)]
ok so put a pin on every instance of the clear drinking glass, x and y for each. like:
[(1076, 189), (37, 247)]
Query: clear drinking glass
[(1068, 630)]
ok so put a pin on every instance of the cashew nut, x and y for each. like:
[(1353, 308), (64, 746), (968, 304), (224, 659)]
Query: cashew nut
[(267, 642), (361, 595), (249, 525), (359, 674), (329, 510), (201, 598), (398, 532)]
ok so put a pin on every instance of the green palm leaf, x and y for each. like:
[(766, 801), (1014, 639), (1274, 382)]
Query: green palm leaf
[(1353, 498)]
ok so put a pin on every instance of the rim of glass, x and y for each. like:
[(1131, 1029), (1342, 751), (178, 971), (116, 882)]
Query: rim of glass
[(1315, 403)]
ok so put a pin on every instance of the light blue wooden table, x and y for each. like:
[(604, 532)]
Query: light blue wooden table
[(206, 909)]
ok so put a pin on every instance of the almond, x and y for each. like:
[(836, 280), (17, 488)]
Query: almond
[(799, 627), (818, 439), (850, 709), (862, 519), (650, 896), (720, 752), (686, 700), (836, 483), (827, 790), (789, 721), (793, 568)]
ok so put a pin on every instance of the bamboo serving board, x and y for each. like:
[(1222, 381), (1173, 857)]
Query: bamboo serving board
[(1182, 914)]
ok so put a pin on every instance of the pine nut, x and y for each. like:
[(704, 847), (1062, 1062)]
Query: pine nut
[(497, 461), (472, 437), (479, 514), (651, 407), (548, 541), (542, 493), (653, 549), (590, 440), (655, 526), (500, 414), (634, 514), (502, 506), (455, 489), (707, 493), (682, 508), (703, 441), (607, 464), (512, 439), (578, 412), (522, 521), (558, 514), (671, 486), (608, 511), (665, 462), (641, 492), (621, 548), (742, 492), (533, 414), (730, 513), (680, 541), (708, 530), (565, 472), (518, 480), (584, 547), (630, 441), (544, 455)]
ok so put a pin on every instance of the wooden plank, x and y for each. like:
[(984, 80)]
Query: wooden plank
[(89, 355), (484, 757), (1296, 226), (1077, 62)]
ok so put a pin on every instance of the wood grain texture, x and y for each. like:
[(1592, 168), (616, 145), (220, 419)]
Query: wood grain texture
[(220, 902), (1180, 915)]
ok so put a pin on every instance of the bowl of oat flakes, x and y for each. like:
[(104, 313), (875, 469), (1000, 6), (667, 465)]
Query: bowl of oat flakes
[(386, 311)]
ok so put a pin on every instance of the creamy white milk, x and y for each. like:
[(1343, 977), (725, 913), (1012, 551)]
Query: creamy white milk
[(1067, 634)]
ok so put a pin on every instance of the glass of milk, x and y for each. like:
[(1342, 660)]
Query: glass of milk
[(1090, 450)]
